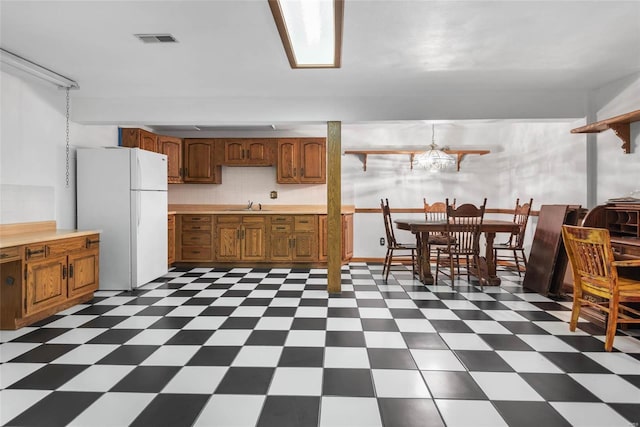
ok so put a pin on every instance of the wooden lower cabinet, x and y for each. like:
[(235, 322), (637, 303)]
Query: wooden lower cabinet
[(257, 238), (50, 277), (171, 239)]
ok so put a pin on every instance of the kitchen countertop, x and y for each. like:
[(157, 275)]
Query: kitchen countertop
[(266, 209), (26, 238)]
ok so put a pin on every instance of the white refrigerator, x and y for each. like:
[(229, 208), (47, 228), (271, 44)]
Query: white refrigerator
[(123, 192)]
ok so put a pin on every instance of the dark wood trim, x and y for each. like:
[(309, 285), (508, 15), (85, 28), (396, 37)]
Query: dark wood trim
[(334, 207), (421, 210), (621, 126)]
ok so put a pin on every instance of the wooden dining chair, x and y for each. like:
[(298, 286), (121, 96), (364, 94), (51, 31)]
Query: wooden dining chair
[(595, 274), (436, 212), (463, 231), (513, 249), (407, 251)]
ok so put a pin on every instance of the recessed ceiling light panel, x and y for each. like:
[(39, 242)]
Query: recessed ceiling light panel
[(156, 38)]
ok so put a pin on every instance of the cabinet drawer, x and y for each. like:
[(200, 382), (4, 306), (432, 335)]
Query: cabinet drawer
[(10, 254), (305, 223), (281, 228), (196, 239), (36, 251), (196, 218), (196, 226), (279, 219), (61, 247), (198, 253), (228, 219), (253, 219)]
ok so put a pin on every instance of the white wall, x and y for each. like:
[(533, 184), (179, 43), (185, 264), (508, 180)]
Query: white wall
[(618, 173), (33, 154)]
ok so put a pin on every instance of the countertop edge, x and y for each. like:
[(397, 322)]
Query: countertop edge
[(42, 236)]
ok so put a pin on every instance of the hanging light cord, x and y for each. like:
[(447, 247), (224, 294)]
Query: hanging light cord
[(67, 141)]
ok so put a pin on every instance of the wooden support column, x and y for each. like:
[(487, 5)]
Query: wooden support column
[(334, 207)]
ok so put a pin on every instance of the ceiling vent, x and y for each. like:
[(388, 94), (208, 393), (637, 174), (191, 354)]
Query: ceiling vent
[(156, 38)]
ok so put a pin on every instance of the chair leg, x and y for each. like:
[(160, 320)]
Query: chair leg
[(452, 268), (468, 266), (387, 262), (575, 310), (515, 257), (435, 281), (524, 259), (612, 322)]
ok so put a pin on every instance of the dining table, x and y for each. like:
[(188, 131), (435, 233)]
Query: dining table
[(421, 229)]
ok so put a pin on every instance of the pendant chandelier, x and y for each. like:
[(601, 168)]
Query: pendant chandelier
[(434, 159)]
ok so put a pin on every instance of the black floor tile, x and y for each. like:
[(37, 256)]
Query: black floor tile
[(240, 323), (537, 316), (472, 315), (44, 353), (390, 358), (49, 377), (143, 301), (190, 337), (376, 303), (41, 335), (388, 325), (343, 312), (115, 336), (309, 323), (302, 357), (171, 410), (128, 355), (95, 310), (558, 388), (490, 305), (631, 411), (214, 356), (104, 322), (406, 313), (266, 337), (575, 363), (230, 293), (409, 413), (313, 302), (171, 322), (453, 326), (505, 342), (345, 339), (280, 312), (256, 302), (156, 310), (530, 414), (241, 380), (146, 379), (453, 385), (217, 311), (485, 361), (419, 340), (347, 382), (289, 294), (200, 301), (550, 306), (56, 409), (633, 379), (583, 343), (524, 328), (290, 411)]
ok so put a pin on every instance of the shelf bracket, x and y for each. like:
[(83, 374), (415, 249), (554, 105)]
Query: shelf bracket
[(623, 131), (363, 160)]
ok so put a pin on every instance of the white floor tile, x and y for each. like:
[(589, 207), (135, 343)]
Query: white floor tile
[(618, 363), (113, 409), (376, 339), (248, 311), (137, 322), (71, 321), (205, 322), (12, 372), (581, 414), (210, 293), (97, 378), (285, 302), (399, 383), (505, 316), (460, 305), (609, 388), (115, 300), (529, 361), (533, 297), (86, 354), (343, 324), (436, 360), (274, 323), (469, 413), (171, 355), (125, 310), (196, 379), (315, 294), (343, 302), (296, 382), (258, 355), (559, 328), (346, 357), (231, 337), (6, 336), (306, 338), (228, 302), (152, 337), (414, 325), (401, 303), (465, 341), (426, 296), (439, 314), (14, 402), (260, 293), (77, 336), (505, 386), (487, 327), (11, 350), (313, 312), (374, 313), (349, 412), (547, 343), (368, 295), (520, 305)]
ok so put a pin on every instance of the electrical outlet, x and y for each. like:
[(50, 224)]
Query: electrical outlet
[(273, 194), (382, 243)]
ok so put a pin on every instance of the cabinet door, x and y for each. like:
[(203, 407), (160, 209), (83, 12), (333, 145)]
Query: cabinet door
[(322, 237), (46, 284), (199, 158), (171, 239), (287, 161), (139, 138), (227, 241), (254, 245), (280, 246), (172, 147), (258, 152), (234, 152), (305, 247), (83, 272), (148, 141), (347, 237), (313, 158)]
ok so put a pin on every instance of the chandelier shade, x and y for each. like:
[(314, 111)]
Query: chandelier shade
[(434, 159)]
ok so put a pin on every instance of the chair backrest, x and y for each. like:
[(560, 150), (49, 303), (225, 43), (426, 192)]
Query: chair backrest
[(467, 218), (520, 217), (436, 211), (591, 257), (388, 224)]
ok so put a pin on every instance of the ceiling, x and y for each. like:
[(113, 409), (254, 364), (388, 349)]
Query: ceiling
[(409, 59)]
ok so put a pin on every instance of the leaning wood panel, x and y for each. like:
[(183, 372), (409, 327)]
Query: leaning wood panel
[(334, 201)]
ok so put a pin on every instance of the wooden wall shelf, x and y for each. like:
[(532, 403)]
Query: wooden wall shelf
[(621, 126), (458, 153)]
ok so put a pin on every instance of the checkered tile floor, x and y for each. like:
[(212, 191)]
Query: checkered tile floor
[(270, 347)]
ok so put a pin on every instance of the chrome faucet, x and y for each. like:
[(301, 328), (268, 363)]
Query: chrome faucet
[(249, 205)]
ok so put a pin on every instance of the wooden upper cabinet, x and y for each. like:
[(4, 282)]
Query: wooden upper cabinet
[(200, 162), (139, 138), (302, 161), (172, 147), (248, 152)]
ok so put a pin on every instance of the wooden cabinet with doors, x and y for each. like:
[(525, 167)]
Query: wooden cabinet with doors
[(201, 162), (347, 237), (249, 152), (194, 241), (139, 138), (301, 161), (172, 148), (171, 239), (293, 238), (240, 238)]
